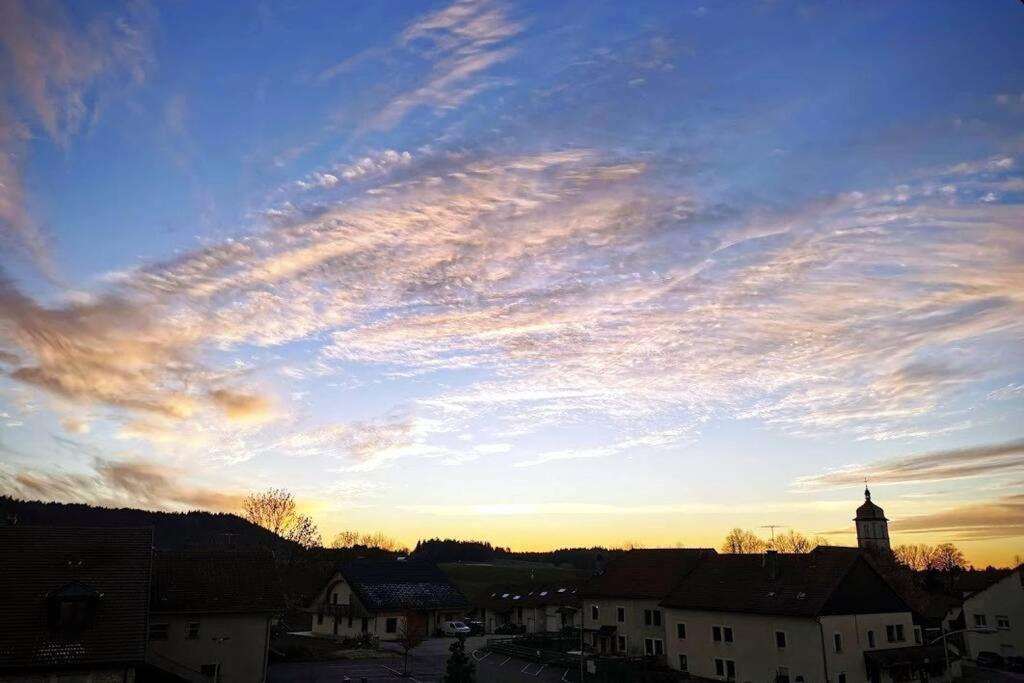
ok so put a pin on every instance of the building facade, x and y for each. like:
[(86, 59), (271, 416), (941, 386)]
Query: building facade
[(790, 618), (622, 614), (385, 599), (1000, 606), (211, 614)]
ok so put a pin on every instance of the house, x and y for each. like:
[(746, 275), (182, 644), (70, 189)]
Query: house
[(75, 603), (385, 599), (827, 615), (535, 608), (622, 611), (211, 613), (998, 606)]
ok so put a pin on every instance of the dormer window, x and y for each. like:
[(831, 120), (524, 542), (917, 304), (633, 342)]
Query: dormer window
[(73, 607)]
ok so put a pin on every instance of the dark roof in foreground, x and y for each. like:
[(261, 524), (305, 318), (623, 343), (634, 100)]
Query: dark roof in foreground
[(648, 573), (393, 585), (221, 581), (824, 581), (107, 567)]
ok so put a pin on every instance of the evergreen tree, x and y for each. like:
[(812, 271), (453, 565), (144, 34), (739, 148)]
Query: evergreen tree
[(461, 667)]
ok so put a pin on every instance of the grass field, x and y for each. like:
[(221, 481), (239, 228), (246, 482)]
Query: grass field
[(473, 578)]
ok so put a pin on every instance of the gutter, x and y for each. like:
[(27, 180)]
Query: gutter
[(824, 653)]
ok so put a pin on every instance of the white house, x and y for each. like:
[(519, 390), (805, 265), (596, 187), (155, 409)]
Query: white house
[(385, 599), (825, 616), (622, 614), (999, 606), (211, 612)]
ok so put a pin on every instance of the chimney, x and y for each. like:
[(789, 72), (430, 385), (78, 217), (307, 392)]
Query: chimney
[(771, 563)]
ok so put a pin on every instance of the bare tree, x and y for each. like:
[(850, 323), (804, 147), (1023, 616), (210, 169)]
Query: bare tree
[(919, 557), (793, 542), (411, 633), (948, 557), (381, 541), (345, 539), (743, 541), (275, 510)]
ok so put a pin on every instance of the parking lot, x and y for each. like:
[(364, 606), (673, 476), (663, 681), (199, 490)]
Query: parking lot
[(426, 664)]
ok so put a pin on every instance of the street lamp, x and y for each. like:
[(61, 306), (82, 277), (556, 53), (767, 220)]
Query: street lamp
[(945, 650)]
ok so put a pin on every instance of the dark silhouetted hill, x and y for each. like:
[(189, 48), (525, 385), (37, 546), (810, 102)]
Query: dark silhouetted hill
[(171, 530)]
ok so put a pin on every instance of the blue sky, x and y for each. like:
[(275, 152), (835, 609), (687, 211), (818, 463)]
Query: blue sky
[(542, 273)]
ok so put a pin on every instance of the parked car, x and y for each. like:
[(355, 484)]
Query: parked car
[(455, 628), (476, 627), (1015, 663), (990, 659), (510, 629)]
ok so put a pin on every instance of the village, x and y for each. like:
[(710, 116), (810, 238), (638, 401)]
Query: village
[(102, 604)]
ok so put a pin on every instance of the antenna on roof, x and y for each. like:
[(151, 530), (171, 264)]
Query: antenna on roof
[(773, 527)]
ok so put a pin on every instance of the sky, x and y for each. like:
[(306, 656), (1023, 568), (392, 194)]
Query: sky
[(544, 274)]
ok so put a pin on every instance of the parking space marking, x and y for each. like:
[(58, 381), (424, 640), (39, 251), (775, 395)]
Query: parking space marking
[(524, 669), (480, 659), (566, 673), (505, 662), (542, 667)]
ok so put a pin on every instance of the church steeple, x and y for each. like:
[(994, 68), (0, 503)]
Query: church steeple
[(872, 525)]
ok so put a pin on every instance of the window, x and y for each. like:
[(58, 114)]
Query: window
[(350, 621), (780, 639), (210, 670), (871, 639), (1002, 622), (683, 665), (391, 625), (365, 626), (193, 630), (681, 630), (842, 678), (837, 641), (727, 634), (979, 620), (716, 634), (721, 634), (917, 635), (725, 668), (594, 612), (73, 613), (158, 631), (319, 618), (622, 643), (654, 646), (899, 633), (652, 617), (620, 615), (782, 675)]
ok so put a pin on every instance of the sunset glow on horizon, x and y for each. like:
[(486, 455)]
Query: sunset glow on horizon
[(544, 275)]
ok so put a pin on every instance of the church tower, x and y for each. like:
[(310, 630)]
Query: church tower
[(872, 526)]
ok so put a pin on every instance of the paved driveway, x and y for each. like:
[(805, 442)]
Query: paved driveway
[(426, 665)]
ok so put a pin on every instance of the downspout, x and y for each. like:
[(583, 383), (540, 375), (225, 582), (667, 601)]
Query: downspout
[(824, 653)]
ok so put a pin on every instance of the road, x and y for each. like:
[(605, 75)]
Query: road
[(426, 664)]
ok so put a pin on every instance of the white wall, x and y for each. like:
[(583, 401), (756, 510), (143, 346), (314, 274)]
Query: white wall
[(633, 628), (237, 642), (754, 647), (1003, 599)]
